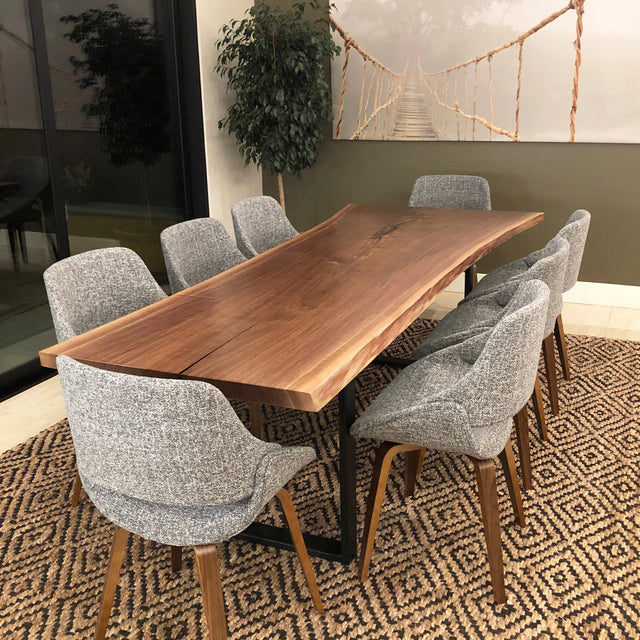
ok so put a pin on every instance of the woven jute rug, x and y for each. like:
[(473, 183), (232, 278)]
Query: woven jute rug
[(574, 572)]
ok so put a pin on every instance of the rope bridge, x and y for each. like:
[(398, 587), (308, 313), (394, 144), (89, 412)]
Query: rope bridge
[(415, 115), (377, 79)]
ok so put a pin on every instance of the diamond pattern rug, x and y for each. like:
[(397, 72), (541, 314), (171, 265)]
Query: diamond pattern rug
[(574, 572)]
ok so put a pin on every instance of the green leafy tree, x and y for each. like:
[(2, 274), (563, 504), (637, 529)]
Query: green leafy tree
[(274, 61), (123, 66)]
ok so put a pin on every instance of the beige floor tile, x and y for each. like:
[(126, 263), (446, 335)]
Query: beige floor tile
[(443, 303), (27, 413), (622, 334), (585, 315), (625, 319)]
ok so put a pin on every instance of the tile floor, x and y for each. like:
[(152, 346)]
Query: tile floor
[(27, 413)]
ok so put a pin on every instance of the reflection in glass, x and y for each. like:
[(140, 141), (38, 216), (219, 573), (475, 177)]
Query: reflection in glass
[(27, 245), (114, 128)]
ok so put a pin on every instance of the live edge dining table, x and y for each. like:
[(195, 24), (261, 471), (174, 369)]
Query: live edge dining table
[(295, 325)]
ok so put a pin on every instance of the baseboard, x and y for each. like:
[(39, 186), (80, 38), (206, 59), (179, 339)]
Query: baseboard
[(590, 308), (600, 294)]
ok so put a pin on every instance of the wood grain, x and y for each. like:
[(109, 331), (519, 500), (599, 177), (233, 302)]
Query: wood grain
[(116, 556), (293, 325)]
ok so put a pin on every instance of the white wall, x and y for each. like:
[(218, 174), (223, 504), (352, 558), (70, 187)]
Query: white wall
[(229, 180)]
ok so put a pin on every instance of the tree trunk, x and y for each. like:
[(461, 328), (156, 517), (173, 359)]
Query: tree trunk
[(281, 191)]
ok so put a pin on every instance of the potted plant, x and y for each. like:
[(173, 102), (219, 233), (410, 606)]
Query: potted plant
[(123, 69), (274, 61)]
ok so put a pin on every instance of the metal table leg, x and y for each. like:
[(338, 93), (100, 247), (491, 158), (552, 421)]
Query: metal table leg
[(344, 549)]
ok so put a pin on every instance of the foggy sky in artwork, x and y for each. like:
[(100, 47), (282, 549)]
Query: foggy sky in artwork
[(444, 33)]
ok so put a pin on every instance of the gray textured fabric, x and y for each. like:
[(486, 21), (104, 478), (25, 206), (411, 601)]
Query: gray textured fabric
[(260, 224), (451, 192), (574, 232), (477, 314), (169, 459), (196, 250), (463, 398), (92, 288)]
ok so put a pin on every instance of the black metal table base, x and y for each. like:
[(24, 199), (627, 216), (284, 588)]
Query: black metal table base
[(344, 549), (327, 548)]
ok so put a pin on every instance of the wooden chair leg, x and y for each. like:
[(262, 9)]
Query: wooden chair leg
[(509, 467), (75, 491), (294, 527), (550, 366), (470, 279), (176, 559), (255, 420), (413, 466), (486, 477), (561, 343), (522, 433), (538, 409), (212, 597), (118, 548), (384, 456)]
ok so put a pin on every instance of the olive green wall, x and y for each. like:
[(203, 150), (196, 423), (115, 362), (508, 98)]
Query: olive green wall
[(550, 177), (554, 178)]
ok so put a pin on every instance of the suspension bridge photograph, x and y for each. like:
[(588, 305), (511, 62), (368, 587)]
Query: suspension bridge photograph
[(487, 70)]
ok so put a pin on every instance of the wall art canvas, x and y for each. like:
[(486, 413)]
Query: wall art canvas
[(487, 70)]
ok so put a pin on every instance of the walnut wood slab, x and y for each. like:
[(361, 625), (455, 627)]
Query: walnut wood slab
[(292, 326)]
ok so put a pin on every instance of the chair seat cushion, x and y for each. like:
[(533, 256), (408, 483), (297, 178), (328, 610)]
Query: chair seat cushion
[(418, 408), (200, 524), (463, 322)]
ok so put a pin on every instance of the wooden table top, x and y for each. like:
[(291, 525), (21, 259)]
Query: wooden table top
[(292, 326)]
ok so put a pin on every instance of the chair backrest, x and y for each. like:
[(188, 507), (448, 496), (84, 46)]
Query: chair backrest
[(92, 288), (195, 250), (30, 172), (451, 192), (575, 233), (505, 359), (175, 442), (260, 224), (548, 264)]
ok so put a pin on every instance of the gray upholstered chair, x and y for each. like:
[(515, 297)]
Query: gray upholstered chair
[(196, 250), (461, 399), (92, 288), (260, 224), (169, 460), (479, 312), (30, 175), (453, 192), (575, 233)]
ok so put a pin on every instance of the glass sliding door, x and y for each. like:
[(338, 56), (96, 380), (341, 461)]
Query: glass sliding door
[(121, 168), (28, 243), (91, 93)]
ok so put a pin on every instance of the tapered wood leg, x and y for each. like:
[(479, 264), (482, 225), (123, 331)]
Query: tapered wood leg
[(550, 366), (470, 279), (294, 527), (255, 420), (522, 433), (75, 491), (118, 548), (413, 466), (538, 409), (561, 343), (486, 477), (176, 559), (212, 597), (384, 456), (509, 467)]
